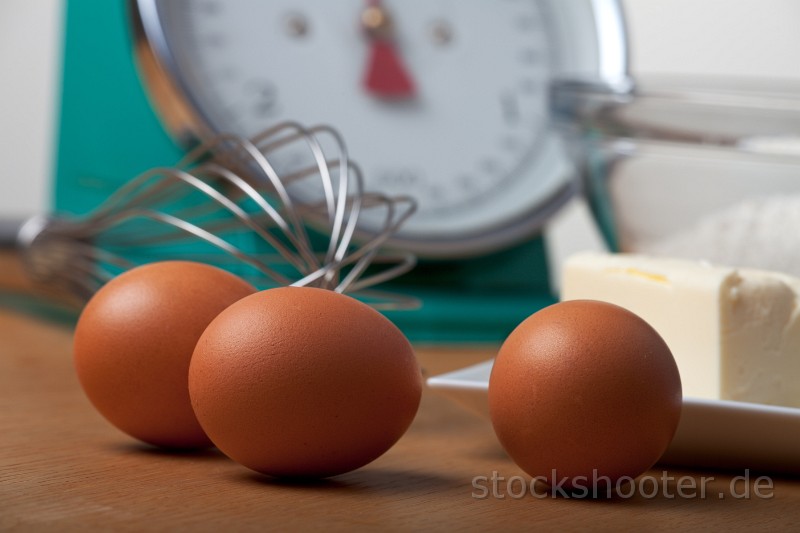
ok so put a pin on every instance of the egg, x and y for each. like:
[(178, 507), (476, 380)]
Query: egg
[(303, 382), (584, 393), (134, 340)]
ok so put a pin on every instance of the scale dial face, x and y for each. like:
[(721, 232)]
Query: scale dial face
[(447, 102)]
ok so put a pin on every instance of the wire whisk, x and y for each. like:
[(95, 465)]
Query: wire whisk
[(286, 207)]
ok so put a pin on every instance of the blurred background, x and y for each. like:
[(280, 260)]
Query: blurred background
[(698, 37), (684, 199)]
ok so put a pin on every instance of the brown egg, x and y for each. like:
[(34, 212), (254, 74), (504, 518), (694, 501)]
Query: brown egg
[(303, 382), (134, 340), (584, 390)]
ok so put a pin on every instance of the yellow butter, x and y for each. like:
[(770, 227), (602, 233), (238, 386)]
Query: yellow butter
[(735, 333)]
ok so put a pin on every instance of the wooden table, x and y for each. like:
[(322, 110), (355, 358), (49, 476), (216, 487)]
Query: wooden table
[(62, 468)]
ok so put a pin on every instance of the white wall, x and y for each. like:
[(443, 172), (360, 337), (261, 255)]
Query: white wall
[(744, 37), (734, 37), (29, 47)]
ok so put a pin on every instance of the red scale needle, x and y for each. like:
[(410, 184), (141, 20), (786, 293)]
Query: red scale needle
[(386, 76)]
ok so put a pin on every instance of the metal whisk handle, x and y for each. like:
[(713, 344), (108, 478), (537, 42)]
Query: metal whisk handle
[(9, 232), (20, 275), (20, 232), (14, 275)]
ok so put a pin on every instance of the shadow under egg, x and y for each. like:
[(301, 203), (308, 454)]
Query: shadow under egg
[(367, 479), (141, 448)]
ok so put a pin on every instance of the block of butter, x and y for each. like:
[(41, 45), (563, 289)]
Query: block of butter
[(735, 333)]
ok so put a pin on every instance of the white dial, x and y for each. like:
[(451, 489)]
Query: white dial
[(447, 102)]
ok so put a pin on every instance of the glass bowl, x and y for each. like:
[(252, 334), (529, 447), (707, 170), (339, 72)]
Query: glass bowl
[(696, 168)]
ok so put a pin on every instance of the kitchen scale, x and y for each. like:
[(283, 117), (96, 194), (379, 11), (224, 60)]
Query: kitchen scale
[(442, 100)]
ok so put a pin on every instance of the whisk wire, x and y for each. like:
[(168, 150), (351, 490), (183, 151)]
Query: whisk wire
[(230, 187)]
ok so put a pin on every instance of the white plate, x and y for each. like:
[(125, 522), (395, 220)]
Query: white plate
[(711, 433)]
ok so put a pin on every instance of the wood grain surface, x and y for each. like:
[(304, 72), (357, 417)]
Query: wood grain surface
[(63, 468)]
